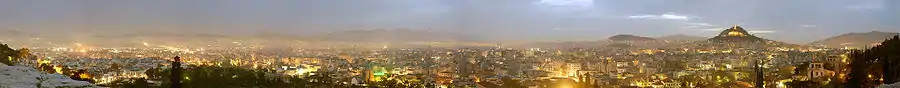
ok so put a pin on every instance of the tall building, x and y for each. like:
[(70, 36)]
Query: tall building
[(513, 61), (465, 67)]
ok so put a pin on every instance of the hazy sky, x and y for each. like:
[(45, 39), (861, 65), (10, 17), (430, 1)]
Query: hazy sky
[(797, 21)]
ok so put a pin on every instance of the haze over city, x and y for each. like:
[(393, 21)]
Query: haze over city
[(450, 44), (503, 20)]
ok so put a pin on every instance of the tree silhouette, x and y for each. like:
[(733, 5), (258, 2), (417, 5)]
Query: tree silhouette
[(176, 73), (867, 67), (891, 55), (8, 56), (199, 76), (511, 83)]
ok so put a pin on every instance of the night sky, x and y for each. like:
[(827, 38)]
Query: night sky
[(794, 21)]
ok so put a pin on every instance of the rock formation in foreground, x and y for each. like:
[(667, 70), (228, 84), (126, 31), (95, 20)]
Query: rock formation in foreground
[(25, 77)]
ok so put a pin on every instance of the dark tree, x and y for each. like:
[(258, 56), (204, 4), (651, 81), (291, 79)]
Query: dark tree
[(867, 67), (511, 83), (194, 76), (890, 54), (46, 68), (8, 55), (176, 73)]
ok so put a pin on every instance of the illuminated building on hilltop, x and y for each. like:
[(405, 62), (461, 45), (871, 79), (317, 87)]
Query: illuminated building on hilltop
[(735, 38), (736, 33)]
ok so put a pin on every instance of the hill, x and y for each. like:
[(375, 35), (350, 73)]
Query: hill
[(854, 40), (5, 51), (681, 38), (736, 34), (737, 37), (632, 41), (561, 44), (395, 35), (630, 38)]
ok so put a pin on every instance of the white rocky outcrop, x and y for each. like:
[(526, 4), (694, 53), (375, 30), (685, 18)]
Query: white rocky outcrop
[(895, 85), (25, 77)]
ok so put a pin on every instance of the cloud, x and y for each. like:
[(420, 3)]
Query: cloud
[(762, 31), (808, 26), (694, 25), (557, 29), (865, 6), (758, 28), (567, 3), (699, 24), (670, 16), (712, 29), (569, 8)]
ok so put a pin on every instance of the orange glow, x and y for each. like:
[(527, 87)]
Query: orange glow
[(58, 69), (735, 33), (84, 76)]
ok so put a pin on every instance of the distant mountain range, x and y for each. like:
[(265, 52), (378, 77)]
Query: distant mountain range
[(671, 38), (632, 41), (736, 37), (630, 38), (854, 40), (394, 35), (562, 44), (681, 38), (194, 39)]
